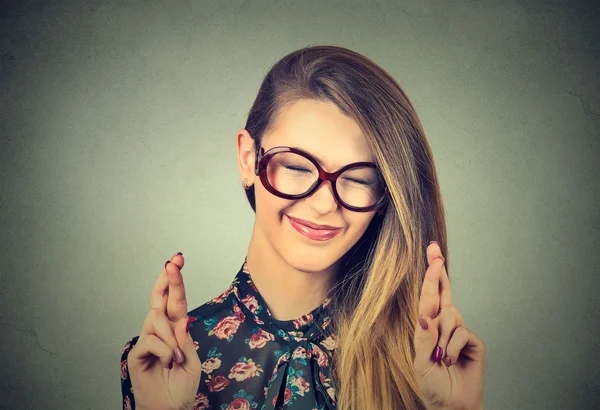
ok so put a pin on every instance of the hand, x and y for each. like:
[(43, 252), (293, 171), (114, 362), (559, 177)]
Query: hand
[(155, 384), (456, 382)]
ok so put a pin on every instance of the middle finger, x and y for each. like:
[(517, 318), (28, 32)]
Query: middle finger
[(159, 296)]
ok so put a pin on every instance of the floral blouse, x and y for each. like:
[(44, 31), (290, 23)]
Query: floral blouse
[(250, 360)]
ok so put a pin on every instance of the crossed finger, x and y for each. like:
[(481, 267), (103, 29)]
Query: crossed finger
[(167, 294), (436, 291)]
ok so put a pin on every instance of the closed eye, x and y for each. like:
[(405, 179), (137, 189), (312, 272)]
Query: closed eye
[(357, 181), (297, 169)]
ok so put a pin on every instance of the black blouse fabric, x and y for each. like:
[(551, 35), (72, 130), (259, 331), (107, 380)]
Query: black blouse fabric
[(250, 360)]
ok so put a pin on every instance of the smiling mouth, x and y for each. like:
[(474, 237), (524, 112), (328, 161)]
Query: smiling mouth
[(314, 225), (324, 233)]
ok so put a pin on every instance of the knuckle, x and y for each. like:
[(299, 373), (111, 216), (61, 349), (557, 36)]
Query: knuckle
[(157, 313), (450, 309), (452, 355), (148, 341), (462, 331)]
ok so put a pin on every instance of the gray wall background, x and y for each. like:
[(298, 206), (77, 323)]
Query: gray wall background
[(117, 126)]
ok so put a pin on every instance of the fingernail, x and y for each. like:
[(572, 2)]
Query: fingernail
[(179, 355), (447, 361), (171, 364), (437, 354), (179, 253), (166, 263), (433, 242), (423, 323)]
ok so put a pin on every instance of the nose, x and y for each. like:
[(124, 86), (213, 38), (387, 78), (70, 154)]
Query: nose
[(323, 200)]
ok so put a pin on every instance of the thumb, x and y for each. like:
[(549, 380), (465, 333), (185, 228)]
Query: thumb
[(425, 343), (184, 339)]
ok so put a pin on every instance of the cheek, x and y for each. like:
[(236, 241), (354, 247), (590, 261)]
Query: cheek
[(358, 222), (269, 208)]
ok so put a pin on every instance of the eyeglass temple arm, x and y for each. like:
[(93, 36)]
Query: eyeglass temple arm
[(258, 156)]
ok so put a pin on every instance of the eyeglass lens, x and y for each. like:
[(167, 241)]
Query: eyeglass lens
[(293, 174)]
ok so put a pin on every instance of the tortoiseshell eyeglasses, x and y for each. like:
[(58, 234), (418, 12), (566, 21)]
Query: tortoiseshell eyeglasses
[(292, 173)]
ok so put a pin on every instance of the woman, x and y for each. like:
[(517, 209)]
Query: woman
[(323, 312)]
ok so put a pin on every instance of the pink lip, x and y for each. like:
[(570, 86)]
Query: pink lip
[(323, 233)]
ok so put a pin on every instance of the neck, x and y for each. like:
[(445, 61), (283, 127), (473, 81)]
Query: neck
[(288, 291)]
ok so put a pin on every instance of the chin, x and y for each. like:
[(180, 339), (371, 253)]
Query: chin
[(314, 263), (300, 255)]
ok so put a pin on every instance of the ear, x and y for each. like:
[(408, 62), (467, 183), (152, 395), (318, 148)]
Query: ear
[(246, 156)]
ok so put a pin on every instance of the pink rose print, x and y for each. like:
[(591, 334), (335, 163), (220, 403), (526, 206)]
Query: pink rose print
[(127, 403), (299, 353), (325, 381), (226, 327), (251, 303), (124, 369), (201, 402), (303, 320), (301, 384), (217, 384), (239, 404), (242, 371), (330, 343), (282, 359), (258, 340), (127, 346), (222, 296), (321, 356), (238, 313), (211, 364), (331, 393), (287, 395), (298, 334)]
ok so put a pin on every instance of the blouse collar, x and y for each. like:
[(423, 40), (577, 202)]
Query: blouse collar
[(304, 335)]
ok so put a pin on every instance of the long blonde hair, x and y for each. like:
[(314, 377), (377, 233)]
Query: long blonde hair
[(376, 293)]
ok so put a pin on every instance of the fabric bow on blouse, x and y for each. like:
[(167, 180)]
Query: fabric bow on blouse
[(305, 357)]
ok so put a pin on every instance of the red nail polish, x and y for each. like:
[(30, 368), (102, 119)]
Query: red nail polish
[(171, 364), (187, 325), (423, 323), (437, 354), (179, 253)]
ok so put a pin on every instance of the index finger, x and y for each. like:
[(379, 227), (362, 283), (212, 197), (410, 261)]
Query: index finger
[(446, 292), (158, 298), (176, 301), (429, 301)]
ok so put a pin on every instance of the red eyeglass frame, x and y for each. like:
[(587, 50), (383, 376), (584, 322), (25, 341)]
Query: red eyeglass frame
[(260, 169)]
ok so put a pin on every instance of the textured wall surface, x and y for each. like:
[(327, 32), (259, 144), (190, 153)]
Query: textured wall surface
[(117, 127)]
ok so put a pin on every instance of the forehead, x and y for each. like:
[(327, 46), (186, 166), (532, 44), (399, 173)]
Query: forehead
[(321, 129)]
